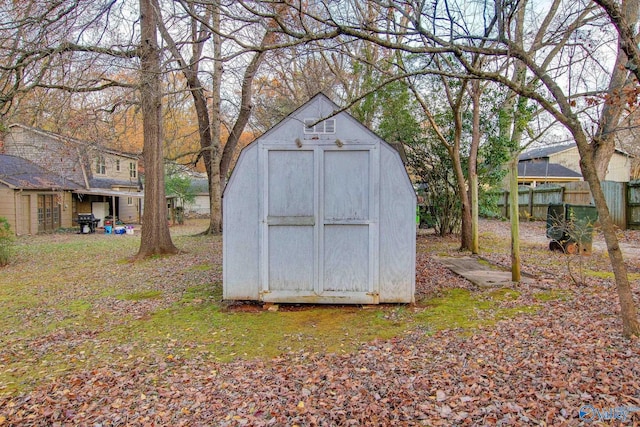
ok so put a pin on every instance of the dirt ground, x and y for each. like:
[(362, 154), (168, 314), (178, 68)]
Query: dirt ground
[(535, 232)]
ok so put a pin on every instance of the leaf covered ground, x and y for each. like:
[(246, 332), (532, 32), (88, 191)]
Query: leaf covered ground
[(91, 339)]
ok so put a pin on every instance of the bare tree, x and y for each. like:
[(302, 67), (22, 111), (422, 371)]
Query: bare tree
[(430, 29), (623, 84), (624, 17), (46, 46), (205, 27), (156, 238), (81, 47)]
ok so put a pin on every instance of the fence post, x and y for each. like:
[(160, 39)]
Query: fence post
[(506, 203), (530, 203), (625, 205)]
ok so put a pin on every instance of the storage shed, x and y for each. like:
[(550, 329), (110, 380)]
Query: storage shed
[(319, 210)]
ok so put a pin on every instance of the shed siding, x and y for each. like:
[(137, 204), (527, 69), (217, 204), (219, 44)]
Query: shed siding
[(291, 258), (346, 258), (240, 239), (397, 230), (319, 218)]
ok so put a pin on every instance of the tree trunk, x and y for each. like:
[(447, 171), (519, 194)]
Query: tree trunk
[(514, 216), (466, 235), (465, 207), (453, 150), (156, 238), (604, 141), (624, 18), (628, 313), (244, 114), (473, 166), (215, 196)]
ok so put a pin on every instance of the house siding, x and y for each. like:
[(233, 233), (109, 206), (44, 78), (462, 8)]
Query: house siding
[(570, 159), (619, 167), (200, 205), (75, 163), (7, 205), (111, 171), (20, 208), (47, 152), (129, 213)]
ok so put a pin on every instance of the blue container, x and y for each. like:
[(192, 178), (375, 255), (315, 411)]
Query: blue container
[(107, 229)]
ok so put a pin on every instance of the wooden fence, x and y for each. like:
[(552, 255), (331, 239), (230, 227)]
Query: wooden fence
[(623, 199)]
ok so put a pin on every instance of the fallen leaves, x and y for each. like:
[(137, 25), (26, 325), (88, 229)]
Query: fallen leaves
[(536, 369)]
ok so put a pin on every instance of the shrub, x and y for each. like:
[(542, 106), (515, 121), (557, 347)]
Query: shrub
[(6, 242)]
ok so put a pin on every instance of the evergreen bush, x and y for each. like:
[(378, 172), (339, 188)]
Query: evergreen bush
[(6, 242)]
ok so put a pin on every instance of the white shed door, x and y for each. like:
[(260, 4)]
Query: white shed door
[(319, 233)]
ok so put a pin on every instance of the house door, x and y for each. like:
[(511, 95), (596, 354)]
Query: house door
[(319, 233), (25, 215), (48, 213)]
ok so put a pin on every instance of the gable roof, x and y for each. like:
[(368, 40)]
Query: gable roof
[(107, 183), (296, 112), (545, 152), (19, 173), (200, 185), (545, 170), (320, 107), (75, 141)]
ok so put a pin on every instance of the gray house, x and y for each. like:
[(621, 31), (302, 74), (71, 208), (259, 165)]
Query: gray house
[(319, 210)]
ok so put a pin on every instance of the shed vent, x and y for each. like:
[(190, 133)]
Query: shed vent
[(325, 126)]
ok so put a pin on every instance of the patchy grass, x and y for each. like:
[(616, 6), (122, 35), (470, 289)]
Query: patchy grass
[(552, 295), (75, 302), (463, 309), (610, 275), (202, 267), (140, 295)]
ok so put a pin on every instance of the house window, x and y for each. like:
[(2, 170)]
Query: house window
[(101, 165), (325, 126), (133, 171), (129, 201), (118, 165)]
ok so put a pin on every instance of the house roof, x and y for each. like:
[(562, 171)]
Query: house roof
[(108, 183), (19, 173), (200, 185), (110, 193), (545, 152), (75, 141), (545, 170)]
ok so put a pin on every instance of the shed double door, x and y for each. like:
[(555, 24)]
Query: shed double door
[(319, 225)]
